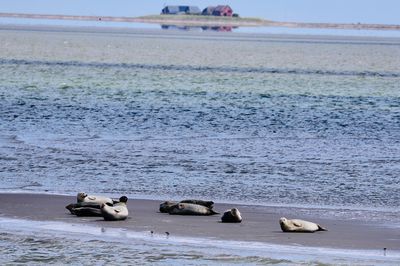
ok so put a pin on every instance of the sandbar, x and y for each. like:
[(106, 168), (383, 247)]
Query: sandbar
[(260, 223)]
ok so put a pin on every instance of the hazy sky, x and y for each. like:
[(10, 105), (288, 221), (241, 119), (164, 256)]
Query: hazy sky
[(352, 11)]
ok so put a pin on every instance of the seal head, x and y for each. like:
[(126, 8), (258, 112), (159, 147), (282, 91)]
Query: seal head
[(81, 196)]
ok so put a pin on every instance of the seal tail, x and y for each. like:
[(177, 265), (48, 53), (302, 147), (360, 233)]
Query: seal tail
[(320, 228), (71, 208)]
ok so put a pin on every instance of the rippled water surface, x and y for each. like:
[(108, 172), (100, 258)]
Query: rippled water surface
[(256, 119), (54, 243), (119, 249)]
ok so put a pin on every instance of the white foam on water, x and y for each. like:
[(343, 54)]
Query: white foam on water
[(211, 246)]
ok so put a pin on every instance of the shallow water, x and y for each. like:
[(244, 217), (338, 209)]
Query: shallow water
[(257, 119), (32, 242), (266, 120)]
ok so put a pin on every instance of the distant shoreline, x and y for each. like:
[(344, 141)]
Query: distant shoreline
[(196, 20)]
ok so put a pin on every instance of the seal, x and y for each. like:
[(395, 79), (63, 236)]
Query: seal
[(85, 209), (71, 207), (117, 212), (208, 204), (190, 209), (231, 216), (88, 211), (83, 197), (296, 225), (166, 206)]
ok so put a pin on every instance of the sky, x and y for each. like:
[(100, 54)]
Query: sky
[(339, 11)]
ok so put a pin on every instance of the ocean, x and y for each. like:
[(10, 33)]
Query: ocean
[(277, 120)]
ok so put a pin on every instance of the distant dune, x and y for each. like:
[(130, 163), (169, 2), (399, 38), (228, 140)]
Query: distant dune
[(197, 20)]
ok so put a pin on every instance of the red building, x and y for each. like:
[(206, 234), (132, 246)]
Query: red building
[(223, 11)]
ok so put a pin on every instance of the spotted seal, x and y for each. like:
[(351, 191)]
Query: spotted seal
[(81, 206), (205, 203), (117, 212), (231, 216), (88, 211), (190, 209), (166, 206), (84, 197), (296, 225)]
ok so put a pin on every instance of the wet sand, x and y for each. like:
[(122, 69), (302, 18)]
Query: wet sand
[(260, 223)]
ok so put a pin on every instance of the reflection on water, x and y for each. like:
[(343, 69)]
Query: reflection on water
[(256, 30), (199, 28)]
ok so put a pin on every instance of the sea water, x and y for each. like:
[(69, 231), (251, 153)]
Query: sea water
[(305, 121), (34, 242)]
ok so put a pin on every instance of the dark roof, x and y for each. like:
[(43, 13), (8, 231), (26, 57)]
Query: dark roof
[(208, 10), (181, 9)]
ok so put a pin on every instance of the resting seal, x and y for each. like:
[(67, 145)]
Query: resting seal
[(231, 216), (166, 206), (208, 204), (296, 225), (117, 212), (74, 206), (191, 209), (85, 209), (83, 197)]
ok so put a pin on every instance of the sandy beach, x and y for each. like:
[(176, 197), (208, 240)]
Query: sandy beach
[(260, 223)]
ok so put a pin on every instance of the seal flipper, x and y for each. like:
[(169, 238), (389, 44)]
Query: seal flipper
[(320, 228), (298, 224)]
